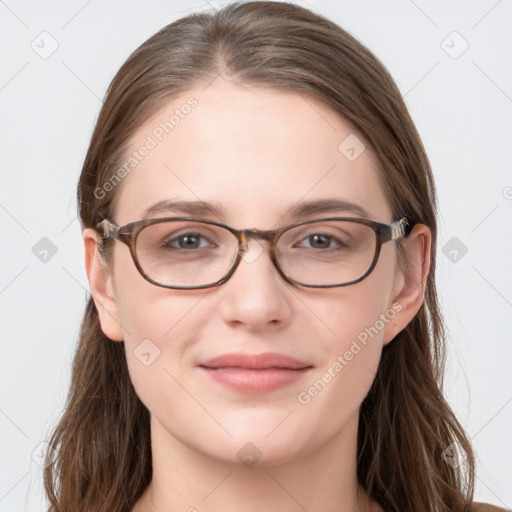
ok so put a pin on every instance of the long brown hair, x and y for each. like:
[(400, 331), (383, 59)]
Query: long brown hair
[(407, 431)]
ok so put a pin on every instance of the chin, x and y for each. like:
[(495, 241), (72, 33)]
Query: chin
[(264, 447), (256, 455)]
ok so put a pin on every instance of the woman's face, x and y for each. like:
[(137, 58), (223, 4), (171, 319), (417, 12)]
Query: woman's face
[(256, 153)]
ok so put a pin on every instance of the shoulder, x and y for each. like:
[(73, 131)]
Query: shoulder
[(486, 507)]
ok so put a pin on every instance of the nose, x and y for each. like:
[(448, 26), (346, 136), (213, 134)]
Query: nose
[(256, 295)]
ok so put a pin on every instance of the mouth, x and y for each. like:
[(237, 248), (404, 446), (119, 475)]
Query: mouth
[(250, 373), (255, 361)]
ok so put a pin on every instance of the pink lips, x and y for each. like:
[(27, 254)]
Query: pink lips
[(255, 373)]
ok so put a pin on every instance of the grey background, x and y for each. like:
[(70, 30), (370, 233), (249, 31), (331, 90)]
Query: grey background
[(461, 102)]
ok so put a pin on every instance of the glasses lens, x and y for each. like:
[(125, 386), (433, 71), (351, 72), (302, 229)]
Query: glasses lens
[(327, 252), (185, 253)]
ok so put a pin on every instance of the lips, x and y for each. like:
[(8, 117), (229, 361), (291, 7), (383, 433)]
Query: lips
[(254, 373), (255, 361)]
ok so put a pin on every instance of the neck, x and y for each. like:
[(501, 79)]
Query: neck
[(188, 479)]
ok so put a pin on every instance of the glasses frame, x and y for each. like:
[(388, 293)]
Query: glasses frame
[(128, 234)]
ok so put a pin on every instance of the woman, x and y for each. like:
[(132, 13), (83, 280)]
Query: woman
[(259, 223)]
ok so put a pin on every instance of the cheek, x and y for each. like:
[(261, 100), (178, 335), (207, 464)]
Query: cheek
[(351, 355), (350, 314), (350, 341), (159, 335), (159, 324), (146, 311), (358, 345)]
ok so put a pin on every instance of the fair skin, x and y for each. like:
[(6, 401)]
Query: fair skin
[(257, 152)]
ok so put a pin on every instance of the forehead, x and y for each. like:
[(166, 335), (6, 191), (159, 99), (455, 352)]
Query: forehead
[(254, 152)]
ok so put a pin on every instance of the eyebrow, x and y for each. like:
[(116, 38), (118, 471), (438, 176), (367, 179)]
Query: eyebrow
[(303, 209)]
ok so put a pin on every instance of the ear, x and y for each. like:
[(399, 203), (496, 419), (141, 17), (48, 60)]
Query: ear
[(100, 283), (410, 284)]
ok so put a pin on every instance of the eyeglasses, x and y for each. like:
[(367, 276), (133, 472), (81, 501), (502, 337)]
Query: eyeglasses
[(187, 253)]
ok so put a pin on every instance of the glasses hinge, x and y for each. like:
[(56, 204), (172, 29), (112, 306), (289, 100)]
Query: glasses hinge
[(110, 230), (398, 229)]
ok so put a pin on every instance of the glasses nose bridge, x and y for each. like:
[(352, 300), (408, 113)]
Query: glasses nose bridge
[(259, 234)]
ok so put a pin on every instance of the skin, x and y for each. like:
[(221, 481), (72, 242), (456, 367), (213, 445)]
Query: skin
[(257, 152)]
